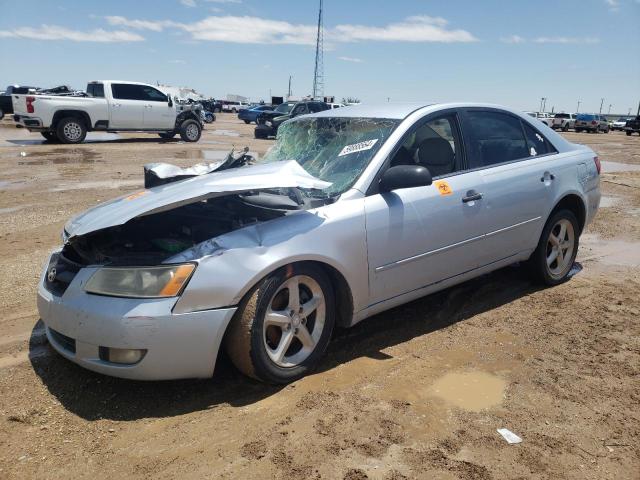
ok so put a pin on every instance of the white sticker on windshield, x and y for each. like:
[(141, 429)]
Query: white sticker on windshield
[(357, 147)]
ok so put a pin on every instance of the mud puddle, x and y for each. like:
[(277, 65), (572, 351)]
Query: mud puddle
[(613, 167), (226, 133), (91, 137), (106, 184), (470, 390), (610, 252), (61, 156), (208, 155)]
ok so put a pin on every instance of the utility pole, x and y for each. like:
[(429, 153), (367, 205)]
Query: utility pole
[(578, 107), (637, 114), (318, 74), (541, 100), (289, 91), (609, 112), (601, 104)]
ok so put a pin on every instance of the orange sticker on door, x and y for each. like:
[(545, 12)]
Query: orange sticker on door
[(443, 187)]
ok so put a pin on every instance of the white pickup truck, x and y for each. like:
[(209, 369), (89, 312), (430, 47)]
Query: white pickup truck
[(110, 106)]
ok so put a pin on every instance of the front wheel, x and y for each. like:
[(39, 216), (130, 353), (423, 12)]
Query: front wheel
[(1, 114), (71, 130), (565, 128), (553, 258), (628, 133), (283, 326), (209, 118), (247, 122), (190, 131)]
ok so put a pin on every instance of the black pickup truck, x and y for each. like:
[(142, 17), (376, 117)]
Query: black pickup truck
[(269, 121), (633, 125)]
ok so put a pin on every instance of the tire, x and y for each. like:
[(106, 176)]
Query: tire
[(578, 130), (268, 338), (565, 128), (234, 110), (167, 135), (190, 131), (1, 114), (563, 224), (628, 133), (247, 122), (71, 130), (259, 136), (209, 118), (50, 137)]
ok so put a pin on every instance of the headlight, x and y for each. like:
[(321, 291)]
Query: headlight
[(140, 282)]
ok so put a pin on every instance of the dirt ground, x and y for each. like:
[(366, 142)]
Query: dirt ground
[(416, 392)]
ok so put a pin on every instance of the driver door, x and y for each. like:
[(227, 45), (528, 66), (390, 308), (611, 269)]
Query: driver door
[(420, 236)]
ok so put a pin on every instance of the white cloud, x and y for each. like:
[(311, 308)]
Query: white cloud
[(54, 32), (513, 39), (568, 40), (614, 5), (188, 3), (412, 29), (154, 25), (224, 1), (251, 30), (351, 59)]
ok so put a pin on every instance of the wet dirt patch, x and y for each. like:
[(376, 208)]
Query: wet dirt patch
[(470, 390), (608, 202), (610, 252), (226, 133), (60, 156)]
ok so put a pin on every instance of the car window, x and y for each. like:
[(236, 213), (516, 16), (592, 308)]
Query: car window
[(125, 91), (432, 144), (494, 138), (299, 110), (153, 95), (316, 107), (95, 90), (537, 143)]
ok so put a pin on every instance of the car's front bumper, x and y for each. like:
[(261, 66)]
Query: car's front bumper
[(177, 345), (265, 130)]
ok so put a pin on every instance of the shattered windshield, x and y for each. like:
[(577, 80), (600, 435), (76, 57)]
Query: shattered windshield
[(333, 149)]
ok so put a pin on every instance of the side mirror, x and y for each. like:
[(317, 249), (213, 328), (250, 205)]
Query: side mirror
[(169, 101), (404, 176)]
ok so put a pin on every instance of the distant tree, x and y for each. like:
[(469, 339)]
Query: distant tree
[(350, 100)]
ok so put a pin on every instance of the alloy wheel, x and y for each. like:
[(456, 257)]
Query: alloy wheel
[(560, 246)]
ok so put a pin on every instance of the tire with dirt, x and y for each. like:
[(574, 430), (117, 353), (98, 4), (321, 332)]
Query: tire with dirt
[(209, 118), (247, 122), (283, 325), (553, 258), (71, 130), (167, 135), (190, 130), (50, 137)]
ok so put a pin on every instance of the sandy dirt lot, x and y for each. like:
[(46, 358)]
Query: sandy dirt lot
[(416, 392)]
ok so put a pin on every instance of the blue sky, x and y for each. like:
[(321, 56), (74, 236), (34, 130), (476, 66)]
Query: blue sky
[(508, 52)]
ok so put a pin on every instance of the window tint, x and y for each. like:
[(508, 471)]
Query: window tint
[(433, 145), (538, 145), (95, 90), (316, 107), (124, 91), (300, 109), (495, 138)]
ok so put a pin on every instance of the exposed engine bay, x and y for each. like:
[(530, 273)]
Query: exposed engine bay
[(151, 239)]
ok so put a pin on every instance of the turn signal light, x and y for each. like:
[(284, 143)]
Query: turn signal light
[(30, 101)]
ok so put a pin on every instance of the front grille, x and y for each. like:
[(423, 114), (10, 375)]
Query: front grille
[(67, 343), (60, 272)]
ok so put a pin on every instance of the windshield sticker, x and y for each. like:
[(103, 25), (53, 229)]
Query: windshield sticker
[(443, 187), (357, 147)]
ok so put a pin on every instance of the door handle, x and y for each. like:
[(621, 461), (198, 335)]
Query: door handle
[(148, 106), (472, 196), (547, 176), (116, 105)]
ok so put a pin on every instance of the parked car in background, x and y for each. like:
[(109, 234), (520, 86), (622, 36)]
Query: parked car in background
[(233, 107), (546, 118), (269, 122), (6, 103), (251, 114), (563, 121), (111, 106), (212, 105), (352, 212), (620, 123), (632, 126), (335, 105), (591, 122)]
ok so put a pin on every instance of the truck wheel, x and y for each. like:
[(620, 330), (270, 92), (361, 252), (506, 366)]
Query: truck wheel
[(247, 122), (71, 130), (552, 260), (628, 133), (565, 128), (283, 325), (50, 136), (167, 135), (190, 131), (209, 118), (1, 114)]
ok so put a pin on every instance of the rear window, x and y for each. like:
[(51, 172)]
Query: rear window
[(95, 90), (562, 115), (584, 116)]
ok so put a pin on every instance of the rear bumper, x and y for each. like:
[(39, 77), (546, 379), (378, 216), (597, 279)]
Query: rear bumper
[(177, 345), (32, 123)]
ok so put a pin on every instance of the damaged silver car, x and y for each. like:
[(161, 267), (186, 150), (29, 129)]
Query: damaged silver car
[(352, 212)]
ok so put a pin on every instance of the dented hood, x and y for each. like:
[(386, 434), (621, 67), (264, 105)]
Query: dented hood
[(286, 174)]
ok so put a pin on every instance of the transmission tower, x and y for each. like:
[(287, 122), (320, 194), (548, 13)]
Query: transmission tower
[(318, 74)]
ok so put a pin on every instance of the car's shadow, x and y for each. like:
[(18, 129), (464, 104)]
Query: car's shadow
[(93, 396)]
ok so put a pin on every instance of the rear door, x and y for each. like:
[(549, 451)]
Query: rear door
[(516, 164), (127, 106)]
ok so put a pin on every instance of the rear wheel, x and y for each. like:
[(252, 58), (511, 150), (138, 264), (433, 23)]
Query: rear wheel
[(190, 131), (71, 130), (628, 133), (565, 127), (1, 114), (247, 122), (50, 136), (283, 326), (552, 260)]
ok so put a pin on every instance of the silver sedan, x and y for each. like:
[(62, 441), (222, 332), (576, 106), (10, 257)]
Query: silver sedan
[(352, 212)]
